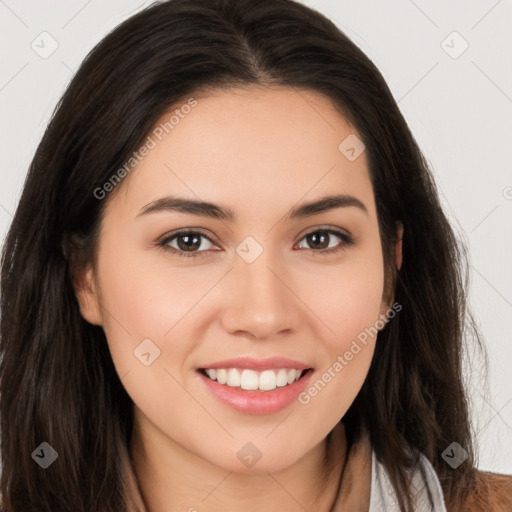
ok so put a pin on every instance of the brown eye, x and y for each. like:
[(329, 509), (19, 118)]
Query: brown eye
[(321, 240), (318, 239), (188, 243)]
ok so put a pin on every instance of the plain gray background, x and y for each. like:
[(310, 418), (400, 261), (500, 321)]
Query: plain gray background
[(449, 67)]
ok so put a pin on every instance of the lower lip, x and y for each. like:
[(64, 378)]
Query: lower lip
[(257, 402)]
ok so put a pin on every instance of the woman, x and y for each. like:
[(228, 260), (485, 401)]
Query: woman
[(173, 338)]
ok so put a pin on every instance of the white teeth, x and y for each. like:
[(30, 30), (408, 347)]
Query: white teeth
[(282, 378), (222, 376), (251, 380), (268, 380), (233, 378), (212, 374)]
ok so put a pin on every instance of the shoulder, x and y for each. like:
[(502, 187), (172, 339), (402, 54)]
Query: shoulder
[(491, 492)]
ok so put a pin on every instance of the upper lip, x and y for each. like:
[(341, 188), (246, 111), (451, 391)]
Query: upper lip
[(252, 363)]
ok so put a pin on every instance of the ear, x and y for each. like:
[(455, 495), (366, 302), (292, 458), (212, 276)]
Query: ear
[(87, 296), (398, 246)]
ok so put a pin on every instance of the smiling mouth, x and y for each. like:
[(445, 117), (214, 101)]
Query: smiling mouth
[(252, 380)]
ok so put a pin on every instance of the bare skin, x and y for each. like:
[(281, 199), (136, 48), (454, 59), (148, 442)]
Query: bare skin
[(260, 152)]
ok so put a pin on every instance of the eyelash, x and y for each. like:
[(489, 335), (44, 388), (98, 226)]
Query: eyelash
[(347, 241)]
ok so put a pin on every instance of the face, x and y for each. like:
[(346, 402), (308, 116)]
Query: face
[(274, 281)]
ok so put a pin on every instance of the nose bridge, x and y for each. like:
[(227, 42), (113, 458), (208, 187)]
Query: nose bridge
[(258, 279), (260, 300)]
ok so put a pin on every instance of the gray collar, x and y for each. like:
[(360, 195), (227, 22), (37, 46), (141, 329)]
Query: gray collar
[(425, 485)]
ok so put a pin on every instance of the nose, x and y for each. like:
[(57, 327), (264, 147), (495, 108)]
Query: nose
[(261, 301)]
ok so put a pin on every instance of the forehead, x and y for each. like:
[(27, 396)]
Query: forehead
[(252, 146)]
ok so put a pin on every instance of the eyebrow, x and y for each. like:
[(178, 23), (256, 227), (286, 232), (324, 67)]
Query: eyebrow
[(207, 209)]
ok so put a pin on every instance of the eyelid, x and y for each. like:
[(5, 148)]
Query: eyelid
[(168, 236), (327, 227)]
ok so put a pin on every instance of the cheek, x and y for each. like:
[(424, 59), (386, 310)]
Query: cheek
[(138, 304), (160, 302), (350, 306), (346, 298), (145, 299), (145, 312)]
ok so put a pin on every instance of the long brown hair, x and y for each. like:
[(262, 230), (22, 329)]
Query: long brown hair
[(58, 383)]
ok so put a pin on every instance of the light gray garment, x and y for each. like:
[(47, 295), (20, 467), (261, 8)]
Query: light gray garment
[(425, 484)]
